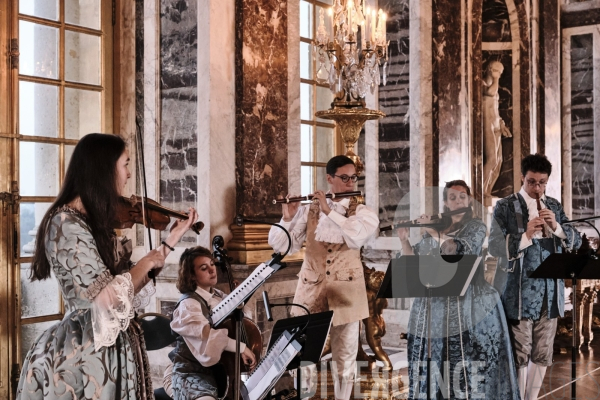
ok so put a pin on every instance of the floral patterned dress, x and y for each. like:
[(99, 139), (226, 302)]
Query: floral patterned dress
[(471, 354), (96, 351)]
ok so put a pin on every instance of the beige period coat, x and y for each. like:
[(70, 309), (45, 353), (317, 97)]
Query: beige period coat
[(331, 277)]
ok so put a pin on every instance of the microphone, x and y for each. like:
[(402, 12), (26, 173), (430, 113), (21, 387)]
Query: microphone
[(267, 306)]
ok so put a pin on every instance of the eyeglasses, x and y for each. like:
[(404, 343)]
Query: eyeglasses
[(532, 182), (346, 178)]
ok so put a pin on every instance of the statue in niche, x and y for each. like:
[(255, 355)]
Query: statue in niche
[(493, 129)]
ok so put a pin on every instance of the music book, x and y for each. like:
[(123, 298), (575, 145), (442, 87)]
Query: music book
[(242, 292), (272, 366)]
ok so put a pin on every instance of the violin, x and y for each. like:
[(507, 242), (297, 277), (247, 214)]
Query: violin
[(250, 333), (131, 210)]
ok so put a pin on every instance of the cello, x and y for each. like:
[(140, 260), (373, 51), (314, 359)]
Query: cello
[(250, 333)]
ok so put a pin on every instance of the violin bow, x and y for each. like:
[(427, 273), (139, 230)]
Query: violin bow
[(142, 170)]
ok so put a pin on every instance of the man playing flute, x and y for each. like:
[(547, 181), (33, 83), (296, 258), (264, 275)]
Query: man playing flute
[(331, 277)]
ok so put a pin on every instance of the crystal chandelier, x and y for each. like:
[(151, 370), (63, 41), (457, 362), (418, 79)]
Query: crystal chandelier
[(350, 53)]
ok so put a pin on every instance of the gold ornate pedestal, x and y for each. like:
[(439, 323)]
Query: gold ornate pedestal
[(372, 385), (249, 245), (350, 121)]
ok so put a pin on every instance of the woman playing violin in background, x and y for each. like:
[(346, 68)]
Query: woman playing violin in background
[(469, 334), (199, 347), (96, 351)]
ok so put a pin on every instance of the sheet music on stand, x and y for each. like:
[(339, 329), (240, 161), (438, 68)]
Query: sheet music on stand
[(243, 292), (272, 366)]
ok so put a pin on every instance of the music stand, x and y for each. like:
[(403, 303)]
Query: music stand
[(569, 266), (428, 276), (315, 333)]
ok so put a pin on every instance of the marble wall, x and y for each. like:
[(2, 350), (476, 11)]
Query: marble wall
[(454, 64), (582, 125), (495, 21), (261, 106), (394, 129), (178, 99)]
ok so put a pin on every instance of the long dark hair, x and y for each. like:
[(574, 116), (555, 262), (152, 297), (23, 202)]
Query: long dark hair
[(91, 176), (186, 278), (450, 226)]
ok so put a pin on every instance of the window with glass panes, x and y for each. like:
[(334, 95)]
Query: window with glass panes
[(318, 137), (64, 90)]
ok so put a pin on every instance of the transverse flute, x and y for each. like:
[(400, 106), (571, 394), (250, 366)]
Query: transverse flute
[(310, 197), (415, 222)]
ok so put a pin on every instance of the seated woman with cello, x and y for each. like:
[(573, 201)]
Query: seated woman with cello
[(199, 347)]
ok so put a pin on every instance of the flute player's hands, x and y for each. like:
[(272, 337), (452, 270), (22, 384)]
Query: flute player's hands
[(289, 210)]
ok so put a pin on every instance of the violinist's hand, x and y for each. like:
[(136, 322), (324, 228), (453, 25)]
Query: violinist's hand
[(320, 195), (181, 226), (289, 210), (155, 259), (249, 358)]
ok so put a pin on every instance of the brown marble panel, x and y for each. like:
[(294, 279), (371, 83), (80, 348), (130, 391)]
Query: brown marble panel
[(261, 106), (549, 91), (580, 18), (495, 21), (525, 68), (447, 77)]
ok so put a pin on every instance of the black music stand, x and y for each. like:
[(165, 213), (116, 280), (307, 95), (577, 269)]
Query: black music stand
[(570, 266), (316, 329), (237, 315), (428, 276)]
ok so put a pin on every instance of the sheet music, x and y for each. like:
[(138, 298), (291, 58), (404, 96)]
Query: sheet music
[(275, 371), (241, 293), (268, 360)]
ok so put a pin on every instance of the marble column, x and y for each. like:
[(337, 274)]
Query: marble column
[(261, 120), (550, 91), (456, 85), (178, 140), (421, 99), (261, 76)]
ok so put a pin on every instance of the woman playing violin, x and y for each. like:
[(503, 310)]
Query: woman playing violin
[(199, 347), (96, 351), (469, 334)]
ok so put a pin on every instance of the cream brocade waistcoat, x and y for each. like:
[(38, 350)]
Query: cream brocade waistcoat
[(331, 277)]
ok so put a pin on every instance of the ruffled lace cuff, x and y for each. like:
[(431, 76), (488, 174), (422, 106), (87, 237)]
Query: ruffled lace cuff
[(142, 298), (100, 283), (112, 310)]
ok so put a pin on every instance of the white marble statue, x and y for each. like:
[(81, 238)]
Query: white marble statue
[(493, 129)]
